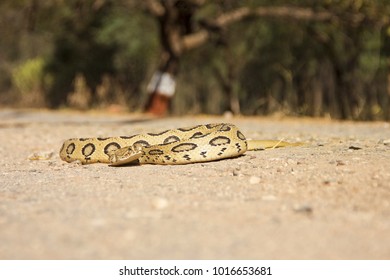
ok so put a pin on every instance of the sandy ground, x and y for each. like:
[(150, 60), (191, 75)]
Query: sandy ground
[(329, 199)]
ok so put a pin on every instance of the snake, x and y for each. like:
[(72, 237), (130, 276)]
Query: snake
[(200, 143)]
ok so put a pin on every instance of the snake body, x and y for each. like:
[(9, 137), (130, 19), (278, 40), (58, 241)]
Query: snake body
[(199, 143)]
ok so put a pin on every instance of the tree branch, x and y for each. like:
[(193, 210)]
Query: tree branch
[(295, 13), (155, 8), (195, 39)]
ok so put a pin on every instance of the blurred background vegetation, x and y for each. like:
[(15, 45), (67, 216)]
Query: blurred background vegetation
[(95, 53)]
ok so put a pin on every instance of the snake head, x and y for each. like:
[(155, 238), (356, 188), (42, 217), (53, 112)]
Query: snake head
[(126, 155)]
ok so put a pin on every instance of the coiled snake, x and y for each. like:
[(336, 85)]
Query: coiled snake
[(199, 143)]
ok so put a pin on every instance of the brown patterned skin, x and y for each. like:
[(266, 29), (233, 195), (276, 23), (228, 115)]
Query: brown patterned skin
[(200, 143)]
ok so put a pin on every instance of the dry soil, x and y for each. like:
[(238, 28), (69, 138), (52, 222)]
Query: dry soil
[(327, 199)]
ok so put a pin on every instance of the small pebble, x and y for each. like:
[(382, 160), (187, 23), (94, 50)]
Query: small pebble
[(386, 142), (41, 155), (228, 115), (305, 209), (236, 172), (329, 181), (254, 180), (354, 147), (74, 163), (160, 203), (321, 144)]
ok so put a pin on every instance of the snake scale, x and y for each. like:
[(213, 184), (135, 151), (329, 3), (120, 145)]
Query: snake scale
[(199, 143)]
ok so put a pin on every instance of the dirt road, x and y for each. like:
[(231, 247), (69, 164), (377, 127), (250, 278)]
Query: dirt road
[(328, 199)]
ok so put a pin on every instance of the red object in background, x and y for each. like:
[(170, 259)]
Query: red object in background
[(162, 87)]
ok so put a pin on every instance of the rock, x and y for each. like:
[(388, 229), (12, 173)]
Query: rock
[(354, 147), (305, 209), (160, 203), (386, 142), (253, 180), (41, 155), (236, 171)]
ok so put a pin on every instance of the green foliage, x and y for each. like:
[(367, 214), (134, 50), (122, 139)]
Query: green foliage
[(136, 48), (29, 76), (30, 81), (338, 67)]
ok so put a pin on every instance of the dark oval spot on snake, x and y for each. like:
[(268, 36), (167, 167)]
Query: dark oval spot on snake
[(88, 149), (158, 133), (110, 147), (102, 138), (70, 149), (171, 139), (128, 137), (184, 147), (220, 140), (143, 143), (212, 125), (225, 127), (240, 135), (155, 152), (185, 129), (198, 134)]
